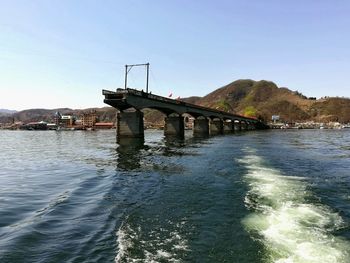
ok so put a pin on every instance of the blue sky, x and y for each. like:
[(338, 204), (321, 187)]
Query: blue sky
[(63, 53)]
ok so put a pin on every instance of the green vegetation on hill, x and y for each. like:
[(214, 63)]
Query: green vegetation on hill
[(331, 109), (262, 99)]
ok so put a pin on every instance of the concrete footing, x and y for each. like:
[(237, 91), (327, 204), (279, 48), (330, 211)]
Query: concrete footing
[(174, 126), (228, 126), (130, 124), (251, 127), (216, 127), (201, 127), (243, 126), (237, 126)]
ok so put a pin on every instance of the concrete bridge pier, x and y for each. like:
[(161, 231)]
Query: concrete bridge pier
[(174, 126), (130, 124), (201, 127), (251, 126), (216, 126), (229, 127), (237, 126), (248, 127), (243, 126)]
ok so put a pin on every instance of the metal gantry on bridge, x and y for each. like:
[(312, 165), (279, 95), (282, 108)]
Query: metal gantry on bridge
[(130, 102)]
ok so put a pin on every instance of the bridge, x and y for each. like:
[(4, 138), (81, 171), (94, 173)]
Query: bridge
[(130, 102)]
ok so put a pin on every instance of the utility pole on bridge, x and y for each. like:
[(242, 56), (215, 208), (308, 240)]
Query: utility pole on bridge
[(129, 67)]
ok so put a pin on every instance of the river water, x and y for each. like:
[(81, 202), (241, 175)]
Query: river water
[(265, 196)]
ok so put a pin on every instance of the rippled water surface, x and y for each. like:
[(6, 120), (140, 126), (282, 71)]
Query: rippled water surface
[(267, 196)]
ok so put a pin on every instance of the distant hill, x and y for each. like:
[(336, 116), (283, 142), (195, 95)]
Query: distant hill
[(105, 114), (6, 114), (260, 99)]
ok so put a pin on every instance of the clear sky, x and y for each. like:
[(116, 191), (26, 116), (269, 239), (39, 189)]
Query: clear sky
[(62, 53)]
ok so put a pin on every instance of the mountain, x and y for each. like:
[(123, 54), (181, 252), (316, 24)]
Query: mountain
[(260, 99)]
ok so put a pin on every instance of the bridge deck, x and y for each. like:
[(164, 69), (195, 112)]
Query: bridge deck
[(123, 99)]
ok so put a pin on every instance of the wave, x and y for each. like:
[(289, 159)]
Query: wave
[(291, 227)]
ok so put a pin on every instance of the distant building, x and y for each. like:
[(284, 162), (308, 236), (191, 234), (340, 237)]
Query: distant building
[(64, 120), (67, 120), (89, 119), (78, 122)]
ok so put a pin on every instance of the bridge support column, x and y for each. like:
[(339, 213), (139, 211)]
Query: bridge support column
[(130, 124), (228, 126), (237, 126), (243, 126), (251, 127), (174, 126), (216, 127), (201, 127)]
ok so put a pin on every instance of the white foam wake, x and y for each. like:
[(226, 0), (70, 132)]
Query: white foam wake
[(291, 228), (159, 246)]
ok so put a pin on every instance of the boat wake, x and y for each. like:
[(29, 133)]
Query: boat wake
[(137, 245), (292, 228)]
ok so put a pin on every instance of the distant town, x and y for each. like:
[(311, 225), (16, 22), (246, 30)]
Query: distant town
[(85, 121), (90, 121), (308, 125)]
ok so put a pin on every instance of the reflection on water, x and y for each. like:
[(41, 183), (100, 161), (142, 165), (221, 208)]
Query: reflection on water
[(170, 140), (136, 153), (129, 153)]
